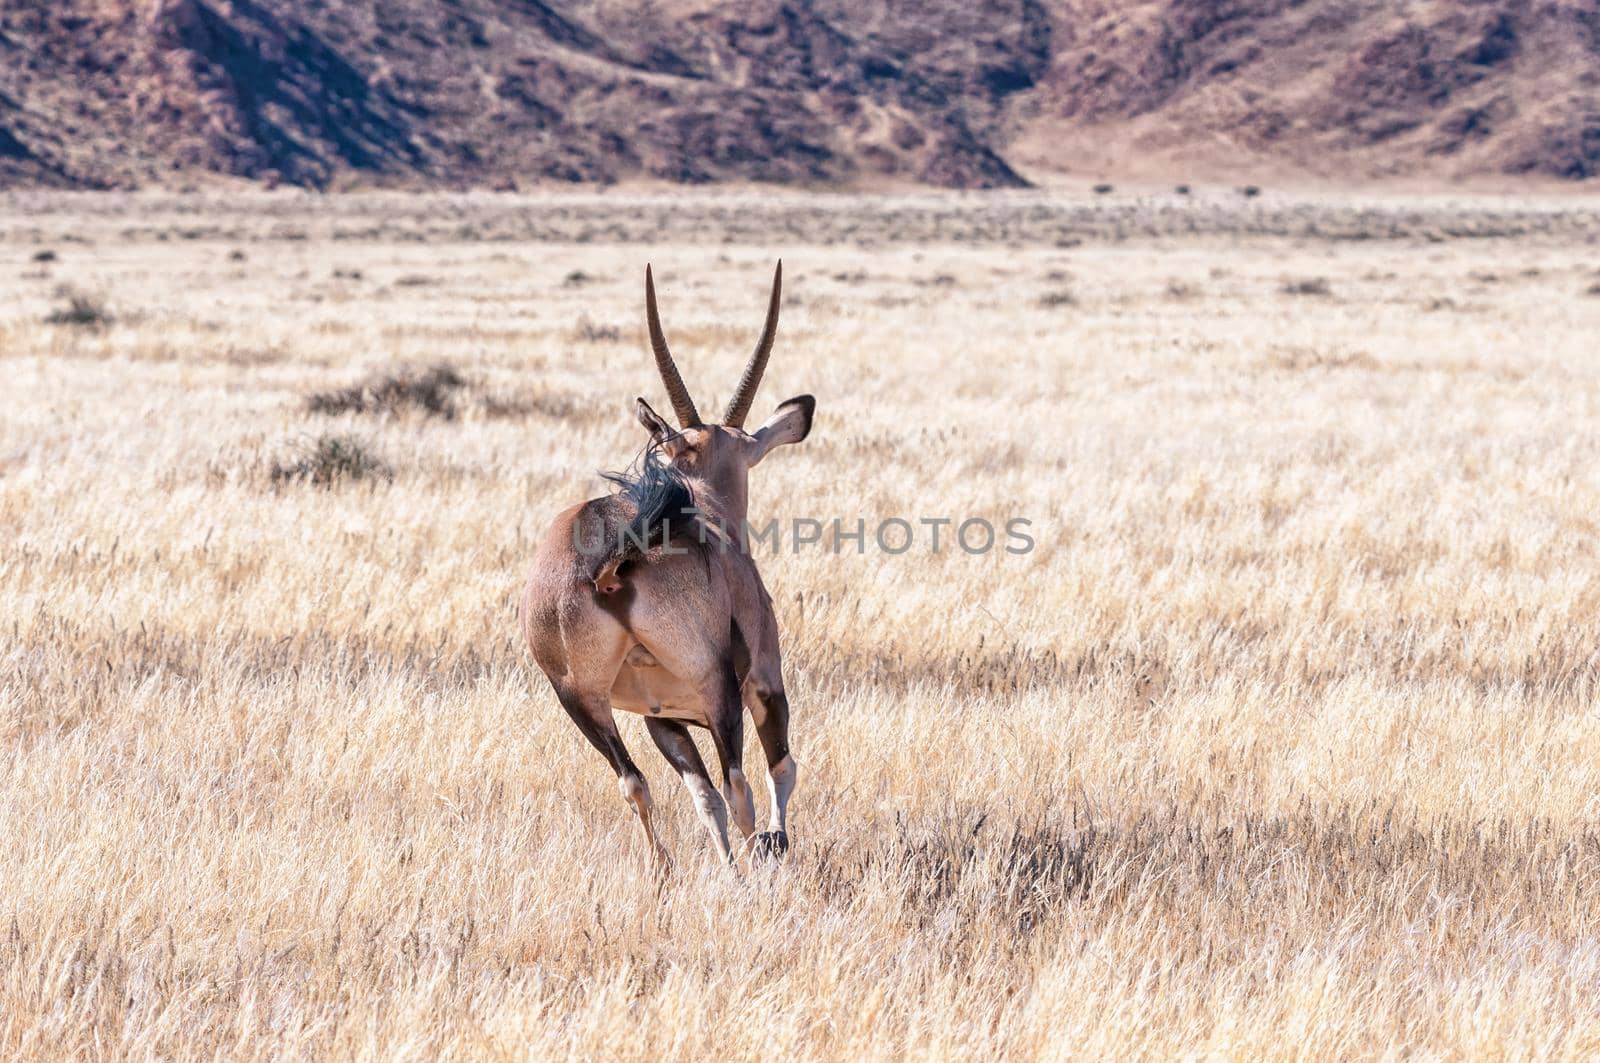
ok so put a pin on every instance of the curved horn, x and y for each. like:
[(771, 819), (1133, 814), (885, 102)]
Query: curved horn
[(745, 393), (682, 404)]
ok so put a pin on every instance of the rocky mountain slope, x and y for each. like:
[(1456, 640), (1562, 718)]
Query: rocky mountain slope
[(506, 93), (1452, 88)]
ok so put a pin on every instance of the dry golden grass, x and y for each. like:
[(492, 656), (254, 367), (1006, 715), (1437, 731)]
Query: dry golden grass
[(1283, 741)]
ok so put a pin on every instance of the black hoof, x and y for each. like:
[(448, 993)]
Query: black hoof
[(769, 845)]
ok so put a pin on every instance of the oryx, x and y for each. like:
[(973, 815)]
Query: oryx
[(674, 625)]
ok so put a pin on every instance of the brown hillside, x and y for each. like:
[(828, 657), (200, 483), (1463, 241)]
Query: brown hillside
[(455, 93), (1365, 88)]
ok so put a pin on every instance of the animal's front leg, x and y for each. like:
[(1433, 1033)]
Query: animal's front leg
[(770, 708)]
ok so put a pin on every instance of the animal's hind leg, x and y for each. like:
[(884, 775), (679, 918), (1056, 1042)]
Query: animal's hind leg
[(675, 743), (727, 731), (769, 706), (593, 716)]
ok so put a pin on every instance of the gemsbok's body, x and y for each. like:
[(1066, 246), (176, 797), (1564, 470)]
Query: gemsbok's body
[(649, 601)]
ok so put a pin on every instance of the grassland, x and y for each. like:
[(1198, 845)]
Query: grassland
[(1283, 741)]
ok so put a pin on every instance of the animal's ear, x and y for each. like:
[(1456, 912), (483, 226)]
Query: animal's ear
[(790, 424), (659, 429)]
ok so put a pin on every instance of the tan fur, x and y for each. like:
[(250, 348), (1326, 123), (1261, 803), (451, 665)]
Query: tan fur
[(676, 636)]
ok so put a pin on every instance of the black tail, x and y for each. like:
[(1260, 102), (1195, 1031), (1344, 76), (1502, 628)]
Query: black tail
[(658, 497)]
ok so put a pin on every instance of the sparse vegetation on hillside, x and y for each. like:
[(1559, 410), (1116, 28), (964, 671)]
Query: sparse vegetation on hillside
[(505, 97)]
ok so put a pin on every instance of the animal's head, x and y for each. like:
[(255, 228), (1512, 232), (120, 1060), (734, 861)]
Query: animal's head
[(720, 456)]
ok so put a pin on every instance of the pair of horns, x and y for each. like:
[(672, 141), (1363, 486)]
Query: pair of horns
[(745, 393)]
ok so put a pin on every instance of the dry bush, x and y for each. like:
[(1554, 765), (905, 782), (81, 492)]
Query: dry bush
[(432, 392), (587, 331), (439, 390), (327, 460), (83, 310), (1317, 286), (1297, 356)]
